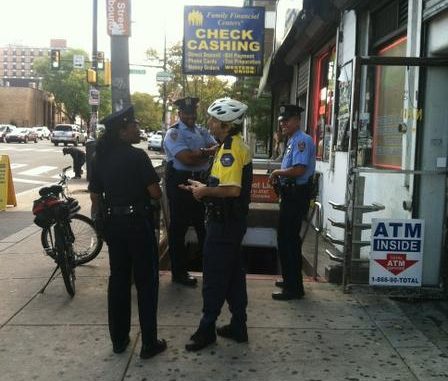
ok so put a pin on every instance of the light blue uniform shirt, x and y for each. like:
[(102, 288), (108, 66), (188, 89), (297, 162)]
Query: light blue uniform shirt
[(185, 138), (300, 150)]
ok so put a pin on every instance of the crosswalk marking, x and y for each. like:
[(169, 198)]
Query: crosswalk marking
[(15, 165), (27, 181), (43, 169), (9, 149)]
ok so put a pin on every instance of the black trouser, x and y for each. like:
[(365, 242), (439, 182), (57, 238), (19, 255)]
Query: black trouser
[(78, 162), (224, 273), (293, 208), (185, 211), (132, 246)]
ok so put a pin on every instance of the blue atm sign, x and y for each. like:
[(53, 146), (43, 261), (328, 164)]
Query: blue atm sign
[(223, 40), (397, 252)]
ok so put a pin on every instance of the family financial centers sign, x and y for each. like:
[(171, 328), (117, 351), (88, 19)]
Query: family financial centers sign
[(396, 256), (223, 40)]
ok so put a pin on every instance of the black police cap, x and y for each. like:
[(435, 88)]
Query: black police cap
[(187, 104), (287, 111), (119, 118)]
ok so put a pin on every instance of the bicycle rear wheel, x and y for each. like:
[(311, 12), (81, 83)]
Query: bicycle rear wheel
[(87, 244)]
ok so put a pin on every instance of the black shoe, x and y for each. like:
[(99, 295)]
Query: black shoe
[(237, 334), (120, 347), (286, 295), (200, 340), (150, 350), (186, 280), (279, 283), (77, 177)]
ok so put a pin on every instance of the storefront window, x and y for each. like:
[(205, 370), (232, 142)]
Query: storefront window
[(388, 109), (322, 126)]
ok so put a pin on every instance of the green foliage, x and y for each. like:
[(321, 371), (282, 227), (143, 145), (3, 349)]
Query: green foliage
[(69, 86), (206, 88), (259, 111), (147, 110)]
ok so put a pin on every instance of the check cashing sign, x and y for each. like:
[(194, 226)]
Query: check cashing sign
[(397, 252), (223, 40)]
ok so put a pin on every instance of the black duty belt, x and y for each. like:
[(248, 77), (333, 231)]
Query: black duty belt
[(293, 186), (195, 175), (128, 210)]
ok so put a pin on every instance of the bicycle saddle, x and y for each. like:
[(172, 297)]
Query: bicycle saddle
[(54, 189)]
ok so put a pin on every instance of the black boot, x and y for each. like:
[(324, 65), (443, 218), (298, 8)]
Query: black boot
[(201, 339), (235, 333), (150, 350)]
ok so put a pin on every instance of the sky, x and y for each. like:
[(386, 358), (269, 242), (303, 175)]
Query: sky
[(36, 22)]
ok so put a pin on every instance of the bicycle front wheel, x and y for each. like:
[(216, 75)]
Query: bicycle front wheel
[(67, 266), (87, 243)]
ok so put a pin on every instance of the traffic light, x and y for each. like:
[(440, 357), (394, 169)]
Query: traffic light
[(55, 56), (107, 73), (100, 60), (91, 76)]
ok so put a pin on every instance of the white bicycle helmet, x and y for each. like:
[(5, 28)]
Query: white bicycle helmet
[(228, 110)]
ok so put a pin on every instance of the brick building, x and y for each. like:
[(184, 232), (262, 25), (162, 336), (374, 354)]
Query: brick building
[(26, 107)]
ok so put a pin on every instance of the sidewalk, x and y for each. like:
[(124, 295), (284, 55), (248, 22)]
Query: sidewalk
[(328, 335)]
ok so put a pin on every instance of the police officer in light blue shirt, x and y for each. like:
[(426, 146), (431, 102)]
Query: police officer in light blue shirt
[(187, 149), (293, 179)]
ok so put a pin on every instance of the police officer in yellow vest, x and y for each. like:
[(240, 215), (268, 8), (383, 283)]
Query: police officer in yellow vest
[(227, 198)]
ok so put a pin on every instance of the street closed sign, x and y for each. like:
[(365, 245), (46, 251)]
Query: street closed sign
[(164, 76), (396, 258)]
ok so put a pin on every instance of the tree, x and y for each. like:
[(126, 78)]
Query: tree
[(206, 88), (69, 86), (147, 110), (259, 109)]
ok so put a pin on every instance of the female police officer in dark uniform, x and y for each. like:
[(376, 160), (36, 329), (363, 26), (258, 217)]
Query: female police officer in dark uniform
[(227, 199), (122, 183)]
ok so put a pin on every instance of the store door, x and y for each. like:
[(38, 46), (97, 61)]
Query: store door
[(432, 188)]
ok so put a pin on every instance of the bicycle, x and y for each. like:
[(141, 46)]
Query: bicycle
[(50, 210), (87, 242)]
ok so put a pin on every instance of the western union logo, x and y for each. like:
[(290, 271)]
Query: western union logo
[(195, 18)]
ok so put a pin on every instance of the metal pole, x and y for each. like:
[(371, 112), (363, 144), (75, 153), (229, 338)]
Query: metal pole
[(91, 141), (164, 124)]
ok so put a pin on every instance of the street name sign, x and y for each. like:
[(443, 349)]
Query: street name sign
[(164, 76), (137, 71)]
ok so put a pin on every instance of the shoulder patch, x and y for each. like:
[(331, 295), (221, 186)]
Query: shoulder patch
[(227, 160), (301, 146), (174, 135)]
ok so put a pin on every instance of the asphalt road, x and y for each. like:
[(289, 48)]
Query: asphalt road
[(33, 166)]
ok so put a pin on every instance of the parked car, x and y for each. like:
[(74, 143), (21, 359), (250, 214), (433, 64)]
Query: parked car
[(21, 134), (100, 128), (67, 134), (143, 135), (155, 141), (42, 132), (4, 130)]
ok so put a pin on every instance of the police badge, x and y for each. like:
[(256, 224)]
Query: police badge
[(174, 135), (301, 146)]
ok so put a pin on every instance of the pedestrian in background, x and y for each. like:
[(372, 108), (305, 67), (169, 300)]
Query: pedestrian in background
[(122, 184), (297, 168), (227, 198), (79, 158), (187, 149)]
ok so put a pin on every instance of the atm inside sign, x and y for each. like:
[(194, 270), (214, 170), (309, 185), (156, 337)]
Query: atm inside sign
[(397, 252)]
